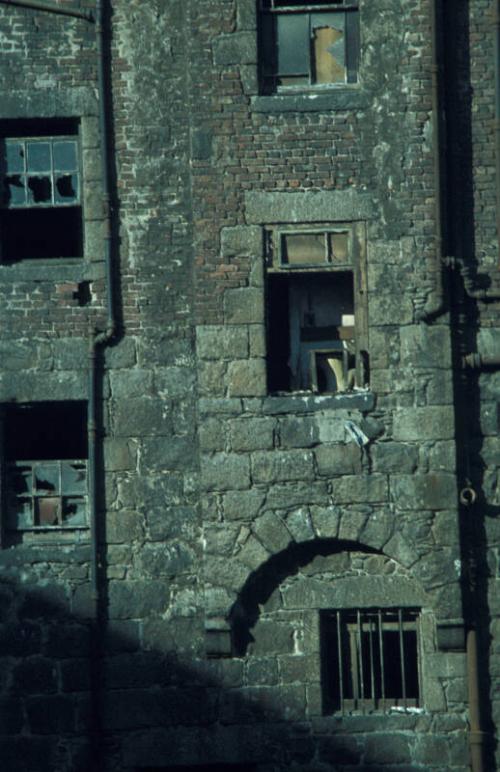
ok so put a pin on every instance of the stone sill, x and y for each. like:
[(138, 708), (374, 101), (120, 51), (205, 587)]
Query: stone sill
[(77, 269), (341, 99), (310, 403)]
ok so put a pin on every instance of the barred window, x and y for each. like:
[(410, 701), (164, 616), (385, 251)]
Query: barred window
[(369, 659), (308, 44)]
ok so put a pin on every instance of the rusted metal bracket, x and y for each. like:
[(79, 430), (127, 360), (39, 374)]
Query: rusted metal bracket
[(49, 7)]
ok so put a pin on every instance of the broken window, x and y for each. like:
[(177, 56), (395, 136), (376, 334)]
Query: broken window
[(308, 44), (40, 199), (46, 465), (316, 315), (369, 659)]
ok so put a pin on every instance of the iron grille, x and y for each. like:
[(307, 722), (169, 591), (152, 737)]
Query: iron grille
[(369, 659)]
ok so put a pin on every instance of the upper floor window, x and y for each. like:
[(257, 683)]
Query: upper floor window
[(45, 465), (308, 44), (40, 205), (316, 308)]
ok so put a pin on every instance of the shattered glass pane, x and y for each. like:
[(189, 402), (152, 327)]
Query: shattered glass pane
[(304, 248), (65, 156), (74, 478), (74, 512), (15, 192), (46, 478), (339, 247), (19, 513), (293, 44), (40, 190), (328, 48), (20, 479), (47, 511), (14, 161), (67, 187)]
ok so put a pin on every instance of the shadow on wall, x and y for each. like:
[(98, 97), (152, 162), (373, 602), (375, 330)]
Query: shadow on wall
[(63, 708)]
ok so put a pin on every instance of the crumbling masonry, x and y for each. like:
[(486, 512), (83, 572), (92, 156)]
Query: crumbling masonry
[(250, 385)]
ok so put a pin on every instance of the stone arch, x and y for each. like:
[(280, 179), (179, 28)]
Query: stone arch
[(300, 564)]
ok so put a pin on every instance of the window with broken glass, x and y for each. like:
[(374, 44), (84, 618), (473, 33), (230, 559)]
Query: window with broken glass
[(369, 659), (45, 466), (304, 45), (40, 206), (316, 308)]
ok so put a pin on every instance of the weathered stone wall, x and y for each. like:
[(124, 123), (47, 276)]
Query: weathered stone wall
[(209, 481)]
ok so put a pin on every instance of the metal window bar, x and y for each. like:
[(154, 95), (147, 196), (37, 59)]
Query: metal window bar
[(402, 655), (381, 654), (339, 655)]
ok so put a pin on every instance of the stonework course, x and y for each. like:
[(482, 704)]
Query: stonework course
[(249, 485)]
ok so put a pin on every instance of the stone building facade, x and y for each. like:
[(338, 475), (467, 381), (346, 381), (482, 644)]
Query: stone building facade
[(249, 337)]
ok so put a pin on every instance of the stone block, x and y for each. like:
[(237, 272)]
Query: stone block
[(136, 599), (244, 305), (214, 341), (236, 48), (242, 505), (272, 637), (426, 346), (300, 525), (127, 384), (212, 378), (225, 471), (360, 489), (298, 432), (325, 521), (257, 340), (394, 457), (388, 748), (11, 715), (377, 529), (424, 423), (53, 714), (292, 494), (252, 434), (168, 453), (241, 240), (173, 382), (272, 532), (120, 455), (34, 675), (262, 671), (246, 16), (308, 206), (436, 490), (212, 434), (280, 466), (351, 525), (338, 459), (247, 378), (252, 553), (223, 572), (141, 417)]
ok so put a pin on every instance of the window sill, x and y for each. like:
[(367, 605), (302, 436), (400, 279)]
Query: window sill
[(310, 403), (56, 269), (339, 99)]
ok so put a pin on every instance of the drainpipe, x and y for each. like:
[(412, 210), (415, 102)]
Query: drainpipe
[(99, 339), (435, 304), (38, 5), (477, 737)]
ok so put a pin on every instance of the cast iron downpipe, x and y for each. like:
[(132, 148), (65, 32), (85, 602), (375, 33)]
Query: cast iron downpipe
[(435, 304), (99, 339), (45, 5)]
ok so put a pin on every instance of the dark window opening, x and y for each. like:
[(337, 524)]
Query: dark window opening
[(308, 44), (40, 233), (369, 659), (40, 194), (46, 465), (311, 332)]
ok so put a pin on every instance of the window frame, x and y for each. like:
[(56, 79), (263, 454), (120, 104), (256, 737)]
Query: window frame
[(268, 37), (354, 264), (39, 130), (350, 658), (9, 465)]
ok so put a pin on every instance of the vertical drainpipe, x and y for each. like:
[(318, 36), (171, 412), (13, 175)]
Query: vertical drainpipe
[(497, 115), (99, 339)]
